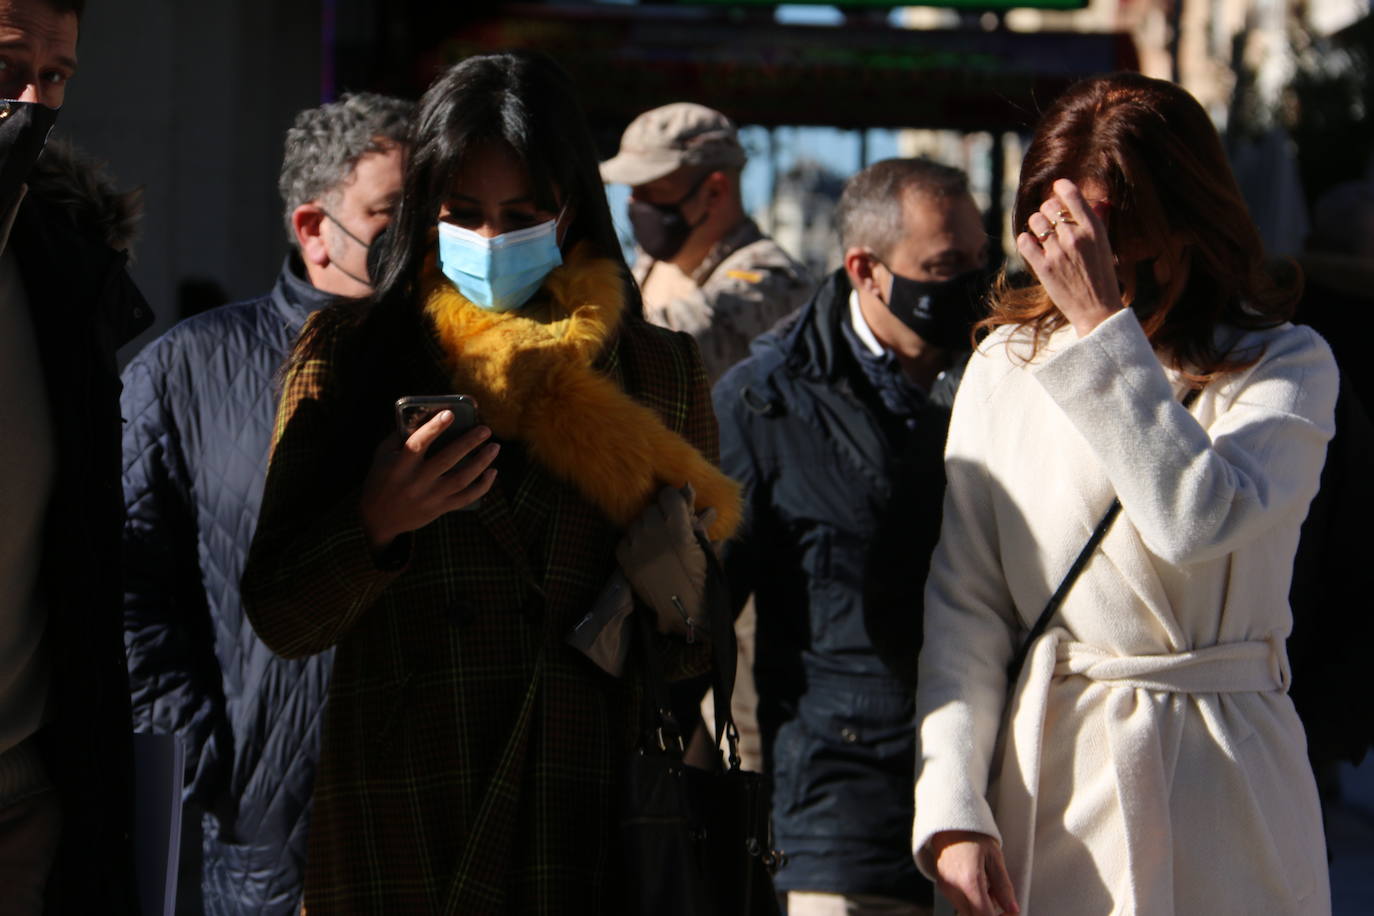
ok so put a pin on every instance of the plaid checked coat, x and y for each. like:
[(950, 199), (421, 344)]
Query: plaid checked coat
[(470, 759)]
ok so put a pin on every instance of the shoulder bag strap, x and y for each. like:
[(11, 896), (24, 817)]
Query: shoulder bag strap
[(1038, 628)]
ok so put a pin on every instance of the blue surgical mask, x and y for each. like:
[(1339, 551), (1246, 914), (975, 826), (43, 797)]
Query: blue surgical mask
[(501, 273)]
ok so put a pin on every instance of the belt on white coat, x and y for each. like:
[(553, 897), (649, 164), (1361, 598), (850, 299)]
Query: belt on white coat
[(1256, 666)]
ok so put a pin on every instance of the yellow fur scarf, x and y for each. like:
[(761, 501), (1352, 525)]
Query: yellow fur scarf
[(531, 373)]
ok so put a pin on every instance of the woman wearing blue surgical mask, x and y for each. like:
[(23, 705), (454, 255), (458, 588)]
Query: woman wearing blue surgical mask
[(471, 756)]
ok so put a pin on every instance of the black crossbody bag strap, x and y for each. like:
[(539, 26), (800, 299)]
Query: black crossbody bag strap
[(1038, 628)]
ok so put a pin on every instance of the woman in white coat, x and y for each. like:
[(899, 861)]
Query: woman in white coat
[(1147, 759)]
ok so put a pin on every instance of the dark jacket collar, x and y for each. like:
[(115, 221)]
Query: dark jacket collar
[(293, 294), (813, 344)]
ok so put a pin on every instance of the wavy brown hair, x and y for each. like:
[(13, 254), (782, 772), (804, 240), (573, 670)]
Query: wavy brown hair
[(1174, 209)]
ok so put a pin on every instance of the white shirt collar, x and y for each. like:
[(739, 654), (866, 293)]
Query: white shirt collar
[(860, 323)]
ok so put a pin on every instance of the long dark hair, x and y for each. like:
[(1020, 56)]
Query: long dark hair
[(1154, 150), (521, 99), (525, 101)]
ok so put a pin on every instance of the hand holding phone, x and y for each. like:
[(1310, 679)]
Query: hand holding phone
[(414, 411), (416, 476)]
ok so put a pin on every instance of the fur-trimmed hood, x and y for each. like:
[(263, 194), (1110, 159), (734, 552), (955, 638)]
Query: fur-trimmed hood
[(75, 184)]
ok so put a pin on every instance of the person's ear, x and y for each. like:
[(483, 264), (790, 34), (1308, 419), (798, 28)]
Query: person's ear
[(716, 190), (859, 264), (307, 221)]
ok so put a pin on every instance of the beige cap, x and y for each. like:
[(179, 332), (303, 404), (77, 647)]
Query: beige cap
[(663, 140)]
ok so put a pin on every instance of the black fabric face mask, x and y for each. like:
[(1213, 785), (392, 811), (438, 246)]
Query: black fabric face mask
[(376, 250), (24, 129), (367, 247), (661, 229), (942, 313)]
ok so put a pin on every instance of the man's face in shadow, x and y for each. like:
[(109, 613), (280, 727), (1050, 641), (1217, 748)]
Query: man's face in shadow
[(37, 51)]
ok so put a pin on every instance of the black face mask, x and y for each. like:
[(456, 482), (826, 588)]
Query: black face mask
[(375, 253), (942, 313), (661, 229), (367, 248), (24, 129)]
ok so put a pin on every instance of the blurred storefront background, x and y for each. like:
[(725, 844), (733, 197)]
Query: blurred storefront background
[(191, 100)]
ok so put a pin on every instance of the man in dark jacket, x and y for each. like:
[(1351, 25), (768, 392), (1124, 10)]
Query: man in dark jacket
[(66, 304), (200, 403), (836, 425)]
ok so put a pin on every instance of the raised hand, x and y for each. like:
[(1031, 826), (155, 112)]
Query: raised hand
[(1068, 249)]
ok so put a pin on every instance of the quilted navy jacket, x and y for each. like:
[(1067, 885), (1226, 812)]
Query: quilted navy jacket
[(199, 405)]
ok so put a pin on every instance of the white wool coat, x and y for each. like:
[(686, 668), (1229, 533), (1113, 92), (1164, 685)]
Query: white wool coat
[(1154, 763)]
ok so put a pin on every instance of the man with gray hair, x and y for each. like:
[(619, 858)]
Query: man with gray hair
[(199, 404), (340, 179), (835, 426)]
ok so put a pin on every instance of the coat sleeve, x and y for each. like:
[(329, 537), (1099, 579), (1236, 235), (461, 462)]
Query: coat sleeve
[(310, 573), (969, 636), (699, 428), (169, 637), (1197, 494), (740, 556)]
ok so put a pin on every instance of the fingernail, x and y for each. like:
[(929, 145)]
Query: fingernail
[(484, 431), (445, 415)]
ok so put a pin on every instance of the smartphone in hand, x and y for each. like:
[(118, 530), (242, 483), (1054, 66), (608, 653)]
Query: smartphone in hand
[(414, 411)]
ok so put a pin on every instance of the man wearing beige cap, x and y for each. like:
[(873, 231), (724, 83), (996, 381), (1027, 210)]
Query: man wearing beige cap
[(703, 266)]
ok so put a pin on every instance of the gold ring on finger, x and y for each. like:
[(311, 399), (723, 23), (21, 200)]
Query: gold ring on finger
[(1065, 216), (1046, 234)]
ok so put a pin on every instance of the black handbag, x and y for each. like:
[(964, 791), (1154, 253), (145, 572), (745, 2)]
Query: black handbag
[(694, 842)]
